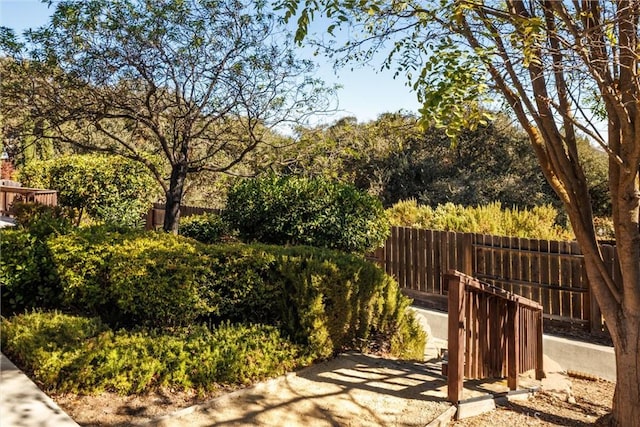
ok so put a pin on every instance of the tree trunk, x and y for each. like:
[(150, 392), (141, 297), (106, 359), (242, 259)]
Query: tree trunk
[(623, 323), (626, 400), (174, 198)]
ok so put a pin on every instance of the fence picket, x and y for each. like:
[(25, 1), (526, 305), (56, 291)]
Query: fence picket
[(422, 258), (429, 256)]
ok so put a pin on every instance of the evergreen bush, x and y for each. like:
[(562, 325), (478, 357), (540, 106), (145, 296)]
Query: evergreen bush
[(131, 277), (302, 211), (81, 355), (110, 189), (42, 220), (205, 228), (326, 300), (28, 278)]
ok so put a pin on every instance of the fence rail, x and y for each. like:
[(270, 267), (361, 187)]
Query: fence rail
[(10, 194), (493, 333), (551, 273)]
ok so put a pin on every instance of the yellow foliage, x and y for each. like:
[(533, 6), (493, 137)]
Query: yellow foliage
[(536, 223)]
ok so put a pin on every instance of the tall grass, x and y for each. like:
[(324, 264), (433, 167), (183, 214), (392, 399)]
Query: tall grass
[(537, 223)]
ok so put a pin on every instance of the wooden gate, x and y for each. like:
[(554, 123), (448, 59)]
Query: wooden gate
[(492, 334)]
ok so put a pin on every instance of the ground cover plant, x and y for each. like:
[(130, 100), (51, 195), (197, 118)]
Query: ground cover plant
[(76, 354), (151, 309)]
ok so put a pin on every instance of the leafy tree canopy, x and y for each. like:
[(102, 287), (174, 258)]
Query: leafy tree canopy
[(394, 158)]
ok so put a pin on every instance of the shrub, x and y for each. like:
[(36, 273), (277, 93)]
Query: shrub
[(131, 277), (110, 189), (156, 279), (536, 223), (206, 228), (74, 354), (326, 300), (300, 211), (27, 274), (42, 220)]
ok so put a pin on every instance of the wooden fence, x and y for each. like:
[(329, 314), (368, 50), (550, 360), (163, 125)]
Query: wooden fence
[(552, 273), (492, 334), (10, 194), (155, 215)]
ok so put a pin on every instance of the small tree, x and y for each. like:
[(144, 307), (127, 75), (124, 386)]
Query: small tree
[(182, 86)]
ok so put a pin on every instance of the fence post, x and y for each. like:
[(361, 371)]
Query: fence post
[(513, 344), (467, 248), (149, 219), (456, 337), (539, 352)]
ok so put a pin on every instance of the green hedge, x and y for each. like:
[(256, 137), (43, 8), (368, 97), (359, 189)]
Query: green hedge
[(205, 228), (131, 277), (324, 299), (28, 277), (301, 211), (109, 188), (81, 355)]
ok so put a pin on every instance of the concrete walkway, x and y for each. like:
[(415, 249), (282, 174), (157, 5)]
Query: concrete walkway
[(22, 404), (6, 221), (352, 389)]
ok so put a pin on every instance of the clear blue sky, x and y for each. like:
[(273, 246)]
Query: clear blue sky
[(365, 93)]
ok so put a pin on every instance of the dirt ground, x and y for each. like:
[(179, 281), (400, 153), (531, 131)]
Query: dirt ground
[(593, 401), (352, 390), (112, 410)]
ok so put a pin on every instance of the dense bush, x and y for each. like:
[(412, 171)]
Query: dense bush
[(42, 220), (206, 228), (74, 354), (536, 223), (131, 277), (110, 189), (324, 299), (28, 277), (300, 211)]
